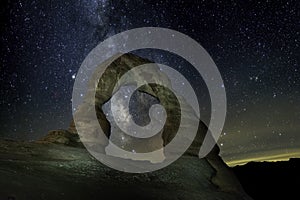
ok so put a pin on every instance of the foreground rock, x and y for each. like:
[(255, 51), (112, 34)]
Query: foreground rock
[(52, 171)]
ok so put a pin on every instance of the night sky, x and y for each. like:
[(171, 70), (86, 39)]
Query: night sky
[(255, 45)]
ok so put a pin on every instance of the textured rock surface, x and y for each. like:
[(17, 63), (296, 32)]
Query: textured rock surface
[(52, 171), (104, 91), (47, 169), (61, 137)]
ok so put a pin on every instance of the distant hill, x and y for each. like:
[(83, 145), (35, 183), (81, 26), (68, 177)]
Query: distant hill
[(270, 180)]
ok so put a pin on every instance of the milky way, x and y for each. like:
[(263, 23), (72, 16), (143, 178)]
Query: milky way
[(254, 44)]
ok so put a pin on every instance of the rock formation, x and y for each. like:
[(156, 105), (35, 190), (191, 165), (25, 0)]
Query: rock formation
[(104, 92), (68, 171)]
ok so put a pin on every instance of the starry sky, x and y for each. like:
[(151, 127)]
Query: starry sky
[(255, 45)]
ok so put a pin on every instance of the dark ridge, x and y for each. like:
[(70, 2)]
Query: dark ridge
[(270, 180)]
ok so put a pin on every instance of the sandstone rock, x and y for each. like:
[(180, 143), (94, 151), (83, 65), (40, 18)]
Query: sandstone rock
[(52, 171), (61, 137), (197, 174), (104, 91)]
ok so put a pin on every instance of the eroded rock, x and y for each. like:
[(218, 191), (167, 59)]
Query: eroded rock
[(189, 173)]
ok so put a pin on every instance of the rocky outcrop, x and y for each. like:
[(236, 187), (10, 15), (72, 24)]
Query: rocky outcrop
[(104, 92), (187, 178), (61, 137)]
